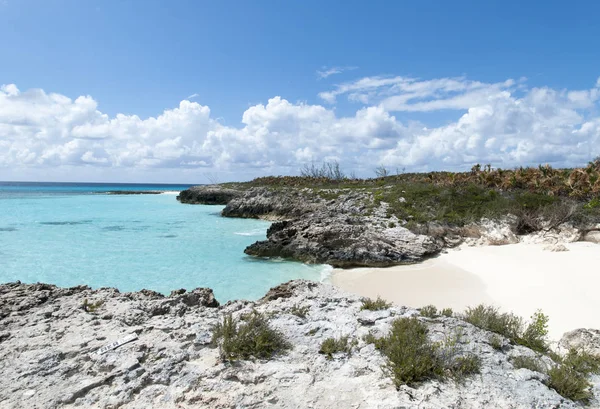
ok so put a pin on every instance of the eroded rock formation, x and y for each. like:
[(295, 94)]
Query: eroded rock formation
[(50, 336)]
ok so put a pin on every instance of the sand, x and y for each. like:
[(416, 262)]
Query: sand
[(520, 278)]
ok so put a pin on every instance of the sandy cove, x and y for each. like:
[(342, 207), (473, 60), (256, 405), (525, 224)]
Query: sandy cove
[(518, 277)]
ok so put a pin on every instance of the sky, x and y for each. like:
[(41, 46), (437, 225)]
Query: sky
[(198, 91)]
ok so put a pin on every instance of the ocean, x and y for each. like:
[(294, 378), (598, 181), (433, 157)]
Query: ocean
[(72, 233)]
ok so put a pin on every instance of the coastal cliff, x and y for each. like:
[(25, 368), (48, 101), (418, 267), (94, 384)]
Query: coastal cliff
[(52, 353)]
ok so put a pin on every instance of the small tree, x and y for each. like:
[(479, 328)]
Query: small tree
[(381, 171)]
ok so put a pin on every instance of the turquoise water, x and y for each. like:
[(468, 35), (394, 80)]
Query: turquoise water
[(72, 234)]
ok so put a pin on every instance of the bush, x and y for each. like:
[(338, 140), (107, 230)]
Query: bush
[(429, 311), (447, 312), (528, 362), (496, 342), (375, 305), (331, 346), (91, 306), (253, 338), (464, 365), (535, 335), (327, 170), (569, 377), (411, 357), (488, 318), (300, 312), (569, 383)]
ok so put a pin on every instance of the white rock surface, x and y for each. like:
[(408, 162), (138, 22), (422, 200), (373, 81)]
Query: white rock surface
[(592, 236), (47, 342)]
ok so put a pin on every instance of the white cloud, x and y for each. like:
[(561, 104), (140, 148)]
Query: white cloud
[(329, 71), (504, 123), (194, 95)]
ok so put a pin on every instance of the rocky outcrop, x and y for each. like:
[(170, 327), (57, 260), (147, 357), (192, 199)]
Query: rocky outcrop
[(349, 228), (582, 338), (264, 203), (344, 241), (344, 232), (208, 195), (50, 343)]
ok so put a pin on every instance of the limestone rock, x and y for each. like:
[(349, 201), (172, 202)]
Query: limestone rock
[(491, 232), (592, 236), (49, 360), (582, 338), (556, 248), (343, 241), (264, 203)]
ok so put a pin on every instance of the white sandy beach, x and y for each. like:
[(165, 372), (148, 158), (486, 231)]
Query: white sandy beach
[(520, 278)]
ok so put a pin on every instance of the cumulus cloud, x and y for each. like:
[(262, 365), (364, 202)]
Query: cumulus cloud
[(504, 123), (329, 71)]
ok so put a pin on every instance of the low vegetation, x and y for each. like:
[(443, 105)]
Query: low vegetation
[(429, 311), (375, 305), (336, 345), (533, 336), (569, 375), (497, 342), (300, 312), (539, 197), (527, 362), (412, 358), (447, 312), (88, 306), (252, 338)]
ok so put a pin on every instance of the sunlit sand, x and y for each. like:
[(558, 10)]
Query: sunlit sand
[(520, 278)]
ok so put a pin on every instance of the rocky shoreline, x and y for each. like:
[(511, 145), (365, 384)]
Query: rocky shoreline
[(51, 336), (349, 228)]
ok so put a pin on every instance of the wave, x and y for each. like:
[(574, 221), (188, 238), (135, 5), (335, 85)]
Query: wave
[(255, 232), (171, 192), (326, 273)]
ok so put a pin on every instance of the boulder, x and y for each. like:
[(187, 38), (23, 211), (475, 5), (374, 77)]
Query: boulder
[(582, 338), (592, 236)]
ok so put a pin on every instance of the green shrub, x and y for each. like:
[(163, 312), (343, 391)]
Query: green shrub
[(429, 311), (569, 377), (527, 362), (496, 342), (489, 318), (91, 306), (300, 312), (535, 335), (253, 338), (411, 357), (375, 305), (569, 383), (331, 346), (464, 365), (582, 361), (447, 312)]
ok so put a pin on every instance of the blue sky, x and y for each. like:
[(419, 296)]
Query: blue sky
[(142, 58)]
